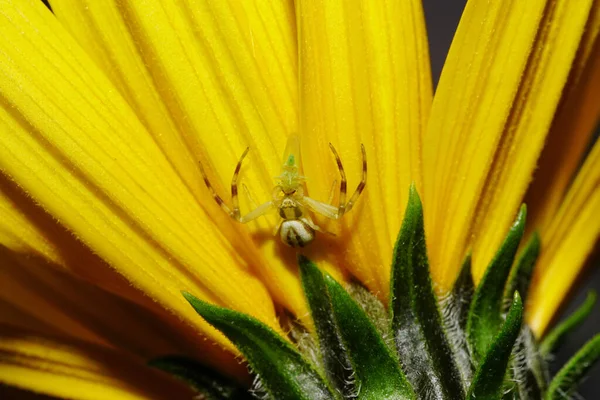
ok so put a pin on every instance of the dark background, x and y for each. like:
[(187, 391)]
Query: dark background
[(442, 18)]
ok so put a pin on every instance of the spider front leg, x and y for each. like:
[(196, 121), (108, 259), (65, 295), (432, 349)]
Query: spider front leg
[(342, 197), (344, 207), (362, 183), (329, 210), (257, 212), (234, 187), (235, 212)]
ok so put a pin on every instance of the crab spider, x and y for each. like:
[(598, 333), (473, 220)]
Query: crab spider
[(295, 228)]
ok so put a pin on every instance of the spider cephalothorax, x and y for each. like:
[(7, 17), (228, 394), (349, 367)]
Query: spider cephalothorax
[(295, 228)]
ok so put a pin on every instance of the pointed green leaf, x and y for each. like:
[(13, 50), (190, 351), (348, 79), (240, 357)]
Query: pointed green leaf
[(520, 275), (485, 315), (489, 378), (284, 373), (525, 368), (455, 309), (462, 294), (210, 384), (377, 371), (422, 344), (375, 310), (527, 385), (567, 379), (537, 362), (335, 358), (555, 337)]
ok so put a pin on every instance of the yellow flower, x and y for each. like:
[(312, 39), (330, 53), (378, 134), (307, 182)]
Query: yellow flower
[(107, 107)]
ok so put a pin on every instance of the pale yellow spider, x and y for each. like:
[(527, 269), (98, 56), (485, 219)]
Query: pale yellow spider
[(296, 228)]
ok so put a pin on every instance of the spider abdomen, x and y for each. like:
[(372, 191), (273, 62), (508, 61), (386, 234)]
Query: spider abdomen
[(296, 232)]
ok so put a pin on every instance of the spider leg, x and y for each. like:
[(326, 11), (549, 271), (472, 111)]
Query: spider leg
[(277, 227), (311, 223), (332, 192), (326, 210), (306, 218), (234, 188), (214, 194), (363, 182), (257, 212), (249, 195), (316, 227), (344, 207), (342, 198)]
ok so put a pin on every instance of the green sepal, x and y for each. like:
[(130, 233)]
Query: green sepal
[(206, 381), (485, 314), (462, 294), (555, 337), (335, 359), (527, 367), (283, 372), (374, 308), (376, 369), (569, 377), (490, 376), (520, 275), (455, 309), (420, 339)]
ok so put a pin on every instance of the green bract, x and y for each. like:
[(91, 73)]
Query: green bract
[(471, 344)]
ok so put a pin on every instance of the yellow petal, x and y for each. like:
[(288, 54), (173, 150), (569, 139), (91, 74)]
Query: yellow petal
[(27, 289), (32, 283), (11, 392), (566, 244), (13, 315), (27, 228), (572, 129), (16, 231), (75, 370), (207, 79), (364, 78), (499, 89), (73, 144), (204, 76), (79, 310)]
